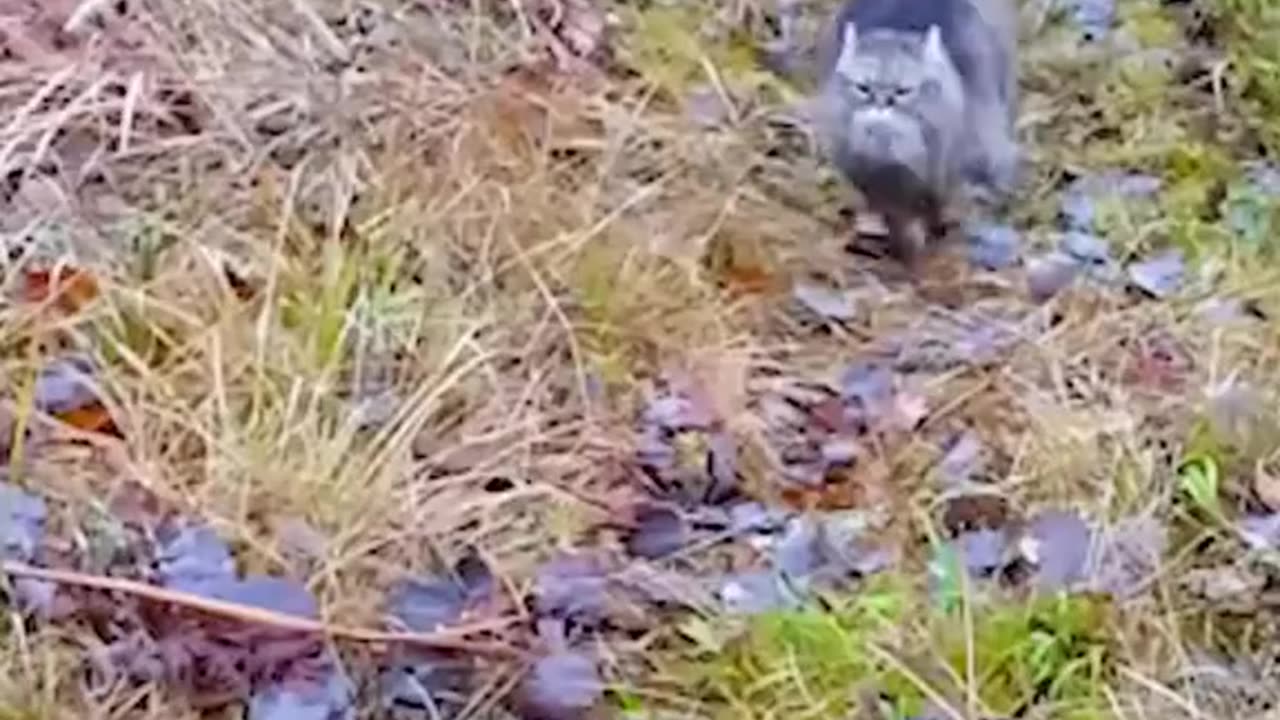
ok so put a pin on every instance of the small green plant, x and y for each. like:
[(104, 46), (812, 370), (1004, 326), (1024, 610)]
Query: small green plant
[(1199, 479)]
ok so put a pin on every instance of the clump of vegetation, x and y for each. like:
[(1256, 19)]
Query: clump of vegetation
[(893, 650)]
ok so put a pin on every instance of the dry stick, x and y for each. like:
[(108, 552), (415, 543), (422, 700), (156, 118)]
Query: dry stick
[(452, 638)]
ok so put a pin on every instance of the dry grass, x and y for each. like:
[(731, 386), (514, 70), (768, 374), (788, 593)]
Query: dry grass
[(497, 264)]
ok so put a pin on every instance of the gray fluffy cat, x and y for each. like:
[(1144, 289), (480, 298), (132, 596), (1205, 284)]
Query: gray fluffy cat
[(917, 99)]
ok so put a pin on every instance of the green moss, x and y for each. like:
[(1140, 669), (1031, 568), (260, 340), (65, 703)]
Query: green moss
[(667, 46), (888, 642), (1253, 39)]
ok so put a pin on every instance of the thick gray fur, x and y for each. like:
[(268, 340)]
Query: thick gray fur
[(918, 98)]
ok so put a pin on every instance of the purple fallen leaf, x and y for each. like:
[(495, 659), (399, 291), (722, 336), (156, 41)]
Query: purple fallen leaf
[(993, 246), (1095, 17), (193, 558), (658, 532), (654, 449), (829, 546), (797, 554), (1060, 548), (848, 544), (1160, 276), (868, 391), (66, 384), (422, 680), (1050, 275), (35, 596), (1078, 209), (757, 592), (962, 459), (329, 698), (561, 686), (1087, 249), (22, 517), (272, 593), (753, 517), (983, 551), (1261, 532), (1227, 311), (824, 301), (573, 586), (427, 604)]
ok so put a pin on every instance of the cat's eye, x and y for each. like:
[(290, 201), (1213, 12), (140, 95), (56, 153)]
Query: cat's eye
[(862, 88)]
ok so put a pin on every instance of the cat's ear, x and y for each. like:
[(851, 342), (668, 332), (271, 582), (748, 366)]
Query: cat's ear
[(848, 48), (933, 51)]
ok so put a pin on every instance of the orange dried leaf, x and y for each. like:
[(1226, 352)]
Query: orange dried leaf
[(92, 418), (749, 280), (70, 289)]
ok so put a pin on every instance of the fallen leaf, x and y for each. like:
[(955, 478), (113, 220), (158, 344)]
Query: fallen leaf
[(66, 384), (1261, 532), (757, 592), (271, 593), (1160, 276), (193, 558), (745, 279), (573, 586), (983, 551), (331, 697), (962, 459), (869, 394), (824, 301), (659, 531), (561, 686), (23, 516), (426, 603), (1057, 543), (754, 517), (993, 246), (94, 418), (22, 526), (424, 681), (829, 547), (1085, 248), (1050, 275), (70, 289), (909, 410)]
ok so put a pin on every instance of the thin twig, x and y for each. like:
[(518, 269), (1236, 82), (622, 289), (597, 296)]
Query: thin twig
[(452, 638)]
